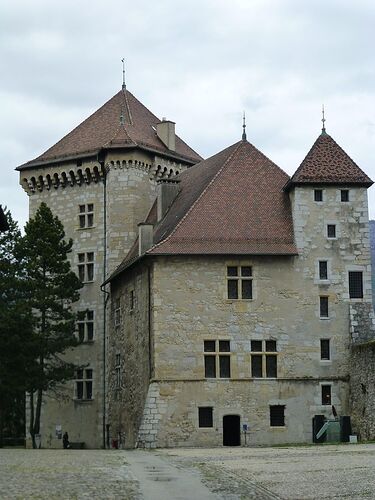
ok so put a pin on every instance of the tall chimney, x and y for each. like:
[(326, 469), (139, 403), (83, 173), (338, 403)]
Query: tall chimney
[(145, 237), (166, 133), (167, 190)]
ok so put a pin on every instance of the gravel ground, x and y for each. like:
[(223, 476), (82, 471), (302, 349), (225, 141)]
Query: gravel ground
[(290, 473), (293, 473)]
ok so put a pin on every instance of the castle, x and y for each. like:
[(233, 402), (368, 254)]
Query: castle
[(223, 298)]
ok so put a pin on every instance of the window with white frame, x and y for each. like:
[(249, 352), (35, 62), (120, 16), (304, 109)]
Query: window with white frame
[(86, 327), (239, 282), (323, 270), (86, 215), (263, 358), (217, 359), (325, 349), (326, 393), (84, 384), (323, 307), (86, 266)]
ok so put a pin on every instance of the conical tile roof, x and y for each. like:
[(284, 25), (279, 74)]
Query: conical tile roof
[(121, 122), (327, 163)]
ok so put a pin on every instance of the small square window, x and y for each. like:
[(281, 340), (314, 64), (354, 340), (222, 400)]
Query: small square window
[(256, 346), (326, 395), (270, 345), (323, 307), (232, 271), (209, 346), (224, 346), (331, 230), (344, 195), (323, 270), (277, 416), (205, 416), (325, 352), (318, 195)]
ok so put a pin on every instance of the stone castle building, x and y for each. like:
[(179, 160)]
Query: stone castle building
[(100, 180), (223, 297)]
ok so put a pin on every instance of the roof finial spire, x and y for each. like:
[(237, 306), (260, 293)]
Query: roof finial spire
[(123, 74), (323, 121), (244, 127)]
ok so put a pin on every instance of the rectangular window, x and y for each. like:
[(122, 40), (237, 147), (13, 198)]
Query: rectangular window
[(325, 352), (264, 363), (331, 230), (326, 395), (205, 416), (86, 327), (210, 366), (217, 360), (86, 215), (83, 384), (277, 416), (344, 195), (86, 266), (271, 366), (356, 284), (131, 300), (323, 270), (118, 370), (256, 365), (239, 282), (117, 312), (318, 195), (323, 307)]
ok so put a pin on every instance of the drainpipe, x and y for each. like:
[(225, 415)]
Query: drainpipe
[(105, 300)]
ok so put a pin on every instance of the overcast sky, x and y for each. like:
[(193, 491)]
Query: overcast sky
[(197, 62)]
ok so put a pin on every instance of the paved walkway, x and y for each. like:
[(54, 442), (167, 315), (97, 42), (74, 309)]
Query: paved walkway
[(160, 480)]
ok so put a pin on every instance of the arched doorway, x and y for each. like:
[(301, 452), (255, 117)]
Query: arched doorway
[(231, 430)]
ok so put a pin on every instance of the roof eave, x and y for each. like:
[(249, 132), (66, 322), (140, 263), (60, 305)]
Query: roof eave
[(291, 184)]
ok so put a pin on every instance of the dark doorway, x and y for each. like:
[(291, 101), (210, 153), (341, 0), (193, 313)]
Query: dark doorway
[(231, 430)]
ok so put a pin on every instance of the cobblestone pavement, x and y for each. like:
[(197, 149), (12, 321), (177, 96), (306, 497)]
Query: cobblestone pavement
[(289, 473)]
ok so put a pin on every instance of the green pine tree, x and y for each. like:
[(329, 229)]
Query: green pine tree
[(16, 342), (52, 288)]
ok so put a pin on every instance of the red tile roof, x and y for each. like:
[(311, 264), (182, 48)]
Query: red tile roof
[(327, 163), (104, 130), (232, 203)]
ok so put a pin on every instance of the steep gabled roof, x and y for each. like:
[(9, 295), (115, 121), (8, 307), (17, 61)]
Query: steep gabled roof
[(327, 163), (103, 130), (232, 203)]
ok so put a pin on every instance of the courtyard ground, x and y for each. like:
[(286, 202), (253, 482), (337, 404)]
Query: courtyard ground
[(306, 472)]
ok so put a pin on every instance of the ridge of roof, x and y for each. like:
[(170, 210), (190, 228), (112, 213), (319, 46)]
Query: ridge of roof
[(327, 163), (103, 126)]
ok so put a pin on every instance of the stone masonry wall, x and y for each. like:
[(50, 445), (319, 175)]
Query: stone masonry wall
[(362, 390)]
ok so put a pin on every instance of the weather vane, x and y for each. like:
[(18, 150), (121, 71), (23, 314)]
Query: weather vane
[(123, 74), (244, 127), (323, 119)]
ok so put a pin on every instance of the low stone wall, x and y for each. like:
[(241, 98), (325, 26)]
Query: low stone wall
[(362, 390)]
